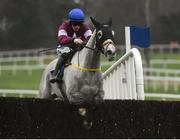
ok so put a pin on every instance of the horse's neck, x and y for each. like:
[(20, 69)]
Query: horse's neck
[(88, 58)]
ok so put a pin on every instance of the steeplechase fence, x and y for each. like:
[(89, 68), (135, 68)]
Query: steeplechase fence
[(48, 119), (124, 79)]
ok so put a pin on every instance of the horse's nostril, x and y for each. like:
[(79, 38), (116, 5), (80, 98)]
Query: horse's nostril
[(109, 52)]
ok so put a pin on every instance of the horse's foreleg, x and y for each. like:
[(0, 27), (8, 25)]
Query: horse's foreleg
[(76, 98), (99, 97)]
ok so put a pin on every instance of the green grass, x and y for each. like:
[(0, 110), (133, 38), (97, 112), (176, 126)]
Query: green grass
[(160, 87), (21, 80), (24, 81), (168, 66)]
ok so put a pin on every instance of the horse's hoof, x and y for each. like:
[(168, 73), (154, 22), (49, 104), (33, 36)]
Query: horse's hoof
[(82, 111), (57, 99), (87, 124)]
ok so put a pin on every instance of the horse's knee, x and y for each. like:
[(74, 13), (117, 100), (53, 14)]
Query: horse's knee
[(76, 98), (99, 97)]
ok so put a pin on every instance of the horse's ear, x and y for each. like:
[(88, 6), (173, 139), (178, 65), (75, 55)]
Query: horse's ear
[(95, 23), (110, 21)]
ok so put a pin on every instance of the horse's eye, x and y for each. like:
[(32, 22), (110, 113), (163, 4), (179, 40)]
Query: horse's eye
[(99, 34), (113, 32)]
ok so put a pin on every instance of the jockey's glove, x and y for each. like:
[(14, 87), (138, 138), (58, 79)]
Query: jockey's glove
[(78, 41)]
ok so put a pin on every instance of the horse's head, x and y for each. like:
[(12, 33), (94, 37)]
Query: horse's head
[(105, 38)]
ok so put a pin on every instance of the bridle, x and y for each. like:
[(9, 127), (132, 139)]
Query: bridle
[(107, 42), (104, 45)]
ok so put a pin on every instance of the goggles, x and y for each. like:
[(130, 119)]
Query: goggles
[(76, 23)]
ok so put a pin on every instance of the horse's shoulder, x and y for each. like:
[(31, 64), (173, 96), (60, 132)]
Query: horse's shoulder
[(52, 64), (53, 61)]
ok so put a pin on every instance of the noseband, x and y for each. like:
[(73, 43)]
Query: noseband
[(107, 42)]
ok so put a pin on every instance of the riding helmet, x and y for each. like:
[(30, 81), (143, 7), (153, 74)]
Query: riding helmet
[(76, 15)]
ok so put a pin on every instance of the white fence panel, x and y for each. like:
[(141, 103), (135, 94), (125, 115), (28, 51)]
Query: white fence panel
[(124, 79)]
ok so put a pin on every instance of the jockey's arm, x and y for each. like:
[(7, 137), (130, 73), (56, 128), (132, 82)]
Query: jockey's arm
[(65, 40), (70, 41), (86, 37)]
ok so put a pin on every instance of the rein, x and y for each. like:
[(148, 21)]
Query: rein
[(89, 48), (105, 43), (77, 66), (49, 49), (108, 41)]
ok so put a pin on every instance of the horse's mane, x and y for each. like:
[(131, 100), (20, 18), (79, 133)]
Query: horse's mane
[(92, 40)]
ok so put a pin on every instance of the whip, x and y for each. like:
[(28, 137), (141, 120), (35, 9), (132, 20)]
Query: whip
[(45, 50), (49, 49)]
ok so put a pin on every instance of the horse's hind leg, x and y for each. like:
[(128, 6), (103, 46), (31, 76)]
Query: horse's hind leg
[(45, 87), (44, 93)]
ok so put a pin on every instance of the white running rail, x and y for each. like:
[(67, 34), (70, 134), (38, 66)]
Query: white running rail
[(20, 92), (124, 79)]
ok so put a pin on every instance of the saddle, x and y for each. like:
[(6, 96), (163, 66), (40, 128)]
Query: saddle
[(63, 66)]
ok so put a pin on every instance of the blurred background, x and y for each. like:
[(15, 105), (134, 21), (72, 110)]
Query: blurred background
[(27, 26)]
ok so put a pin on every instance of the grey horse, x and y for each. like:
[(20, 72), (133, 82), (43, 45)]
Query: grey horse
[(82, 80)]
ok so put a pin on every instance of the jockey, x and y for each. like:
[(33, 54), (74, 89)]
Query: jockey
[(72, 32)]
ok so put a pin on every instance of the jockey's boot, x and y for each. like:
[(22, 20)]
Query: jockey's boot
[(57, 75)]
